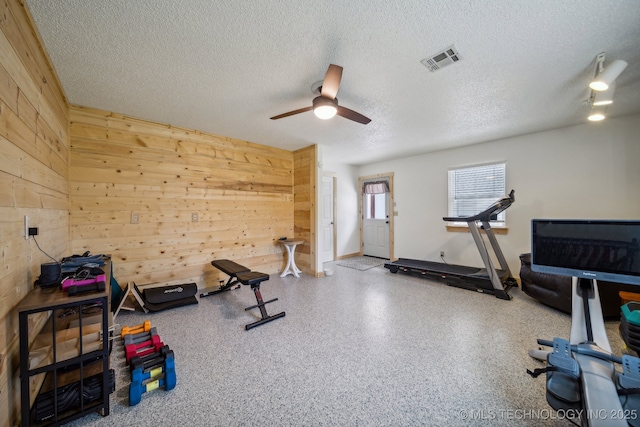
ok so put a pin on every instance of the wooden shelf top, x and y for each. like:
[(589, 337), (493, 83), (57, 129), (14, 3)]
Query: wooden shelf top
[(39, 299)]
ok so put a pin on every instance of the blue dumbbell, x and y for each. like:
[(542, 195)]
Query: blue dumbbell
[(166, 381)]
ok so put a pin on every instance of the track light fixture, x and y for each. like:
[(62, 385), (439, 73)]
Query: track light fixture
[(596, 115), (605, 77), (604, 97), (603, 86)]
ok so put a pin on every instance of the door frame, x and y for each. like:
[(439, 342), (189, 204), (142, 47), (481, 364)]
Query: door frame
[(335, 210), (361, 180)]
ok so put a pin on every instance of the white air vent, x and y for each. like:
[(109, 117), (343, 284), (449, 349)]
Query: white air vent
[(441, 59)]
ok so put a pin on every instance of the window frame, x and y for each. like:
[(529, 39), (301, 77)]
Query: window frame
[(490, 194)]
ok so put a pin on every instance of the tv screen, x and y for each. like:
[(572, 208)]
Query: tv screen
[(593, 249)]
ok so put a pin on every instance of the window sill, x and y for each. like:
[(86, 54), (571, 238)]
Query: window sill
[(465, 229)]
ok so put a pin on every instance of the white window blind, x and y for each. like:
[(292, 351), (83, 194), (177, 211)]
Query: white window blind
[(473, 189)]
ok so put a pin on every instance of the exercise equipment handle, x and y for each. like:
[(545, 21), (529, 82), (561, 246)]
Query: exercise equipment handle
[(486, 215)]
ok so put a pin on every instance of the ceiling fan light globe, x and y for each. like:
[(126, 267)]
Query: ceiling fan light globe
[(325, 112), (325, 108)]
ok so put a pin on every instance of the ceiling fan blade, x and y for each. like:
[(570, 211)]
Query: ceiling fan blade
[(331, 82), (352, 115), (291, 113)]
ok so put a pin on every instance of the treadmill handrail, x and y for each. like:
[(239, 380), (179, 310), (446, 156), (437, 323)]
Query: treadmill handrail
[(497, 207)]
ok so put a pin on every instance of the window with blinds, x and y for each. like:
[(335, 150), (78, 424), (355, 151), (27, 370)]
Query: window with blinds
[(473, 189)]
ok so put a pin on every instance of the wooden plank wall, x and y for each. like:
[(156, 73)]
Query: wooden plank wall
[(304, 209), (242, 194), (34, 143), (80, 174)]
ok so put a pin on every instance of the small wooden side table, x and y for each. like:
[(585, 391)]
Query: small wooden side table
[(291, 267)]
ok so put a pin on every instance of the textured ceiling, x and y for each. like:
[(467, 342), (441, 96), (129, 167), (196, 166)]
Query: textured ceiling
[(226, 66)]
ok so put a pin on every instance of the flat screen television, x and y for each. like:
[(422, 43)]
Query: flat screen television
[(593, 249)]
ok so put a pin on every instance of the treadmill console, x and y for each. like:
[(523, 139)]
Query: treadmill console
[(489, 214)]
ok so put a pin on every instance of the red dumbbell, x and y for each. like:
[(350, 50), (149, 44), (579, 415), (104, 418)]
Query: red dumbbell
[(143, 348)]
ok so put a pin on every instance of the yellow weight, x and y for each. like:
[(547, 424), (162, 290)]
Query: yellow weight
[(153, 385)]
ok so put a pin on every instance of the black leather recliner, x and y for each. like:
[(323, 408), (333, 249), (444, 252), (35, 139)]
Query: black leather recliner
[(555, 291)]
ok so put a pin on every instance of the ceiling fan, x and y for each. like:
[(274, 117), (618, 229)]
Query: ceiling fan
[(326, 105)]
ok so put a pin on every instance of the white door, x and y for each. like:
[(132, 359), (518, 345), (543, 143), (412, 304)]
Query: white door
[(375, 225), (328, 221)]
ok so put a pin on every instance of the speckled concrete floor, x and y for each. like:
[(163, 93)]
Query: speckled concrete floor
[(359, 348)]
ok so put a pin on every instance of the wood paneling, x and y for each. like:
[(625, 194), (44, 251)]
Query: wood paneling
[(34, 143), (80, 173), (304, 208), (241, 192)]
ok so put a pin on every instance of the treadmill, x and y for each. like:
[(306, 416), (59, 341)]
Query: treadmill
[(489, 279)]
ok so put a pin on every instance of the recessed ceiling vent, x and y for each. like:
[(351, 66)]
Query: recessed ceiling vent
[(441, 59)]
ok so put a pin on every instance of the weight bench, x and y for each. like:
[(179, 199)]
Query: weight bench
[(241, 274), (229, 268)]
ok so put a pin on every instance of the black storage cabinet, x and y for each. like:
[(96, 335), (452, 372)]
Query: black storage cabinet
[(74, 369)]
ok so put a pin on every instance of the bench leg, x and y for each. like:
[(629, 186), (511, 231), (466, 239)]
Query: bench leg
[(263, 311)]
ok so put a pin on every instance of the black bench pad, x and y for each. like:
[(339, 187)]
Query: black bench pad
[(252, 277), (229, 267)]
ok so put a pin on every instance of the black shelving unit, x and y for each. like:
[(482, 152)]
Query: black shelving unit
[(62, 369)]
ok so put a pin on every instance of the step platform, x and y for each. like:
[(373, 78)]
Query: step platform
[(630, 325), (157, 298)]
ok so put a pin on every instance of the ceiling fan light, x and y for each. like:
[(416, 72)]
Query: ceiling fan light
[(324, 108), (608, 76), (325, 112)]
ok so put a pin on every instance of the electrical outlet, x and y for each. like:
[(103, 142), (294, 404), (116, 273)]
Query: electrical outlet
[(26, 227), (441, 254), (134, 218), (194, 217)]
